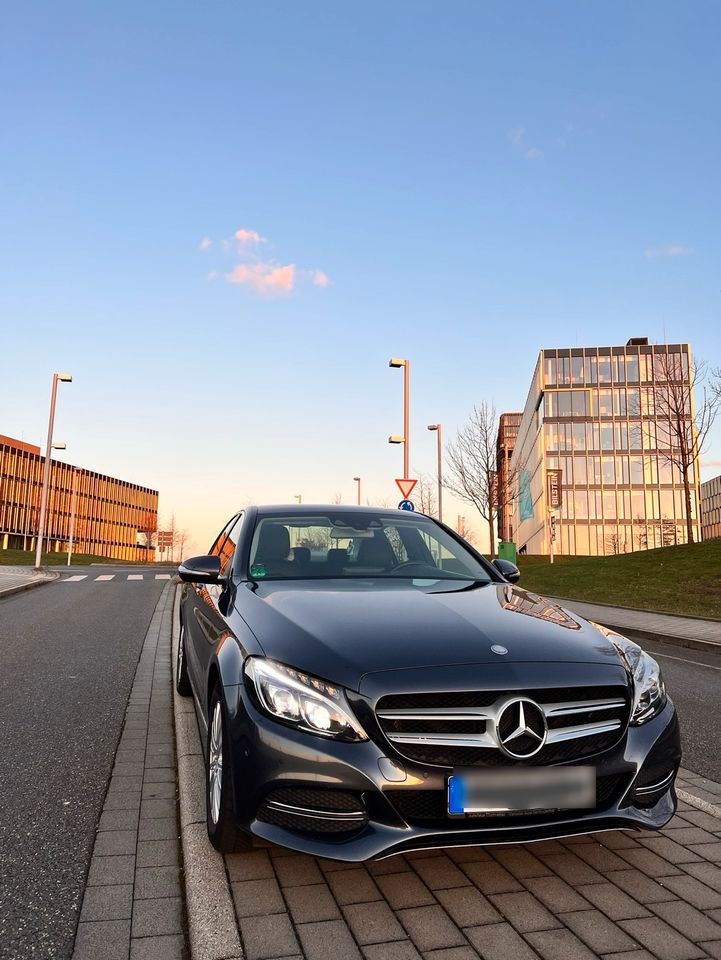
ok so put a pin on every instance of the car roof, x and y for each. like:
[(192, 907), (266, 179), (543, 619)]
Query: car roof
[(310, 508)]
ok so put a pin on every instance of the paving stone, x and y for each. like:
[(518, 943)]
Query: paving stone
[(468, 854), (269, 936), (112, 843), (688, 835), (524, 912), (120, 783), (616, 840), (712, 948), (150, 809), (598, 932), (328, 940), (405, 890), (630, 955), (521, 862), (109, 939), (451, 953), (556, 894), (158, 948), (380, 868), (162, 828), (670, 850), (709, 851), (640, 887), (161, 916), (156, 882), (163, 775), (157, 853), (311, 903), (709, 873), (704, 820), (430, 928), (257, 898), (397, 950), (662, 941), (600, 857), (491, 877), (296, 869), (468, 907), (559, 945), (252, 865), (353, 886), (612, 901), (373, 922), (111, 902), (439, 873), (571, 868), (499, 941), (118, 820), (693, 891), (111, 870), (163, 791), (648, 862), (689, 921)]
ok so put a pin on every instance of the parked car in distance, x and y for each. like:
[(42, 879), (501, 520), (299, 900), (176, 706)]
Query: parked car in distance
[(367, 683)]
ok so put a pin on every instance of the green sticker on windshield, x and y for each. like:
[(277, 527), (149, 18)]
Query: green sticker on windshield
[(257, 570)]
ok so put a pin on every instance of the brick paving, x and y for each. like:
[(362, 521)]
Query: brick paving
[(133, 902)]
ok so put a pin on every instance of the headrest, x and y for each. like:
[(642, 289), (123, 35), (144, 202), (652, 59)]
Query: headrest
[(274, 542)]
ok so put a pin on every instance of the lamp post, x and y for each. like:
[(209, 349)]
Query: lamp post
[(437, 428), (65, 378), (358, 481), (397, 362)]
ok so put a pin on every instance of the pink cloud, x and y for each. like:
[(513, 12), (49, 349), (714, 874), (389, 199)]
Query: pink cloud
[(205, 243), (264, 278), (320, 279), (248, 236)]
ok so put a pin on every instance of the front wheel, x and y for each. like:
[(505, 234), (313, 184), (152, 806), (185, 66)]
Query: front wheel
[(222, 830), (182, 680)]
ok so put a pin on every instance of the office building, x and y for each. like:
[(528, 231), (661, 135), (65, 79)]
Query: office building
[(599, 416), (110, 518), (508, 424), (711, 509)]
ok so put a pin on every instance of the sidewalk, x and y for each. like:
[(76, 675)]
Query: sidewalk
[(686, 631), (15, 579), (616, 895)]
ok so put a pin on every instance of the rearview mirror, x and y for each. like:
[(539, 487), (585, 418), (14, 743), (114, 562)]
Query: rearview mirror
[(507, 569), (200, 569)]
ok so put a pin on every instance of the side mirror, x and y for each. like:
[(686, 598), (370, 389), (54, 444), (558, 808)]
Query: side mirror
[(200, 569), (507, 569)]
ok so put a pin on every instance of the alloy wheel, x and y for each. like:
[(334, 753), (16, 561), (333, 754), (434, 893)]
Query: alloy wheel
[(215, 763)]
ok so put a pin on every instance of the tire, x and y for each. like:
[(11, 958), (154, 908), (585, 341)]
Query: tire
[(182, 680), (223, 832)]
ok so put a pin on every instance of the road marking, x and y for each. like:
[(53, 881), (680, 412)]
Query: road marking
[(135, 576), (75, 578), (162, 576), (696, 663), (106, 576)]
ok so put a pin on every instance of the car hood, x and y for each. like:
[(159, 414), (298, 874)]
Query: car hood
[(345, 630)]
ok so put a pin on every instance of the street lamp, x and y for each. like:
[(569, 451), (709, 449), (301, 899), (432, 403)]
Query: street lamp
[(437, 428), (397, 362), (358, 481), (65, 378)]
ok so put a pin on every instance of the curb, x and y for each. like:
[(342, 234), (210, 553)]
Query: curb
[(35, 582), (212, 929)]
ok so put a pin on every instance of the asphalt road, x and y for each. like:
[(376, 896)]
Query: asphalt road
[(68, 653), (693, 680)]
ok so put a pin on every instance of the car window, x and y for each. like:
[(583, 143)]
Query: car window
[(230, 542), (217, 547), (325, 546)]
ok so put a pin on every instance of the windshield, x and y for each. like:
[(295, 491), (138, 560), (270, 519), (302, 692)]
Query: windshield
[(331, 546)]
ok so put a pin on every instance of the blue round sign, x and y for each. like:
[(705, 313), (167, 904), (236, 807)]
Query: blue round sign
[(406, 505)]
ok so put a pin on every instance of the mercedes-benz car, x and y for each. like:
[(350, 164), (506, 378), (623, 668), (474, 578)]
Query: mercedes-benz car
[(367, 683)]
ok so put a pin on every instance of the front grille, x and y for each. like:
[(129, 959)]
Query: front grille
[(312, 810), (429, 808), (460, 728)]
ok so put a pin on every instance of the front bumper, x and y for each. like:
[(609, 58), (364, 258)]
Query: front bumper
[(271, 760)]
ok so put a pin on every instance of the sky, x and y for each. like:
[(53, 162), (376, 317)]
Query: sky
[(224, 218)]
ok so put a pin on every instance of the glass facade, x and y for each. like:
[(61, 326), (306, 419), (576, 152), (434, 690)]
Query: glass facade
[(508, 424), (109, 513), (595, 413), (711, 509)]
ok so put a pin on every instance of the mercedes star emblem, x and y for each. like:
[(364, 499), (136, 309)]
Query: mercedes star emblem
[(521, 728), (497, 648)]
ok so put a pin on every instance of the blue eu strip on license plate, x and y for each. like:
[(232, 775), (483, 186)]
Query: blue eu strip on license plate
[(498, 791)]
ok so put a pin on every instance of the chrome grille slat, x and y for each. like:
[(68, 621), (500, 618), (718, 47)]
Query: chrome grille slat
[(582, 730), (432, 713), (580, 706), (447, 740)]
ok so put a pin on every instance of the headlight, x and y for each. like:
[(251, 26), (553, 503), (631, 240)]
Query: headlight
[(304, 701), (649, 690)]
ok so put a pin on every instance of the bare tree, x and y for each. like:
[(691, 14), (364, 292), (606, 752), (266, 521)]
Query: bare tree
[(465, 531), (336, 498), (424, 495), (686, 400), (471, 467), (148, 527)]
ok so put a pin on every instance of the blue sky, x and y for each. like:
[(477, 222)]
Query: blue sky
[(473, 180)]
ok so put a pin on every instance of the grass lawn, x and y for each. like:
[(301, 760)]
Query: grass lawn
[(25, 558), (684, 579)]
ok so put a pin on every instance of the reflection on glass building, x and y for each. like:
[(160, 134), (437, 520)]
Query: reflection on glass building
[(110, 517), (595, 414), (508, 424), (711, 509)]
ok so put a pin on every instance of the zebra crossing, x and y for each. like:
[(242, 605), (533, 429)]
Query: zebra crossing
[(105, 577)]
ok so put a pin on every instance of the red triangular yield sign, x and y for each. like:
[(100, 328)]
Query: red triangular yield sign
[(405, 487)]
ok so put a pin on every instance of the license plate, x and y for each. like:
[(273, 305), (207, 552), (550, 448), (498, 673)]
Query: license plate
[(499, 791)]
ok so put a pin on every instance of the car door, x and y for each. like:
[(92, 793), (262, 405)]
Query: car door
[(211, 613)]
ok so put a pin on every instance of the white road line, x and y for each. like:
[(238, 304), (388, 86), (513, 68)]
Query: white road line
[(135, 576), (162, 576), (106, 576), (75, 578), (696, 663)]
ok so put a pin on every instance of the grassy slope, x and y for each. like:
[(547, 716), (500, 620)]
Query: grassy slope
[(683, 580), (24, 558)]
